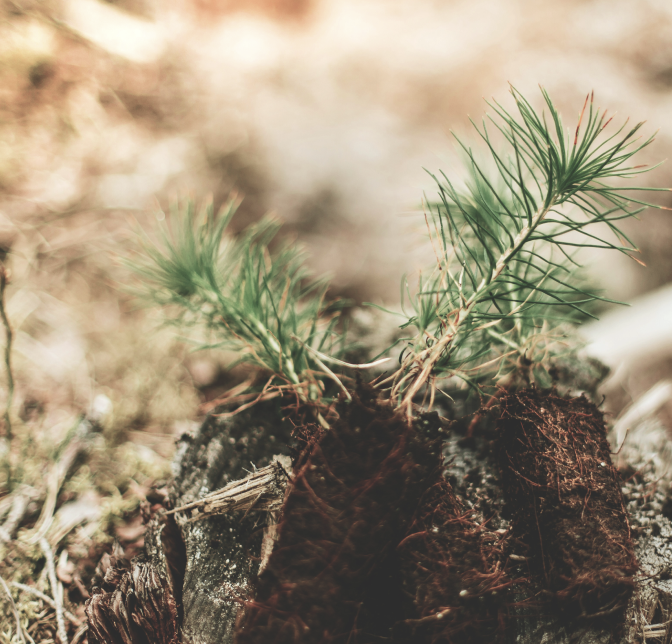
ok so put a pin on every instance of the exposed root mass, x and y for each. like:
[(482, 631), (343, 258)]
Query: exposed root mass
[(564, 495), (373, 545)]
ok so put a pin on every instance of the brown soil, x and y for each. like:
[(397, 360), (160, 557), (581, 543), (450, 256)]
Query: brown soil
[(374, 545), (334, 574), (564, 495), (452, 569)]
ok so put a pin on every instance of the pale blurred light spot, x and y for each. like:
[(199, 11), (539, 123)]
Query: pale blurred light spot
[(31, 39), (115, 31), (101, 408), (634, 334)]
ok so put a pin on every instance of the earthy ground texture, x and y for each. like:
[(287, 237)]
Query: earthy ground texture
[(362, 541)]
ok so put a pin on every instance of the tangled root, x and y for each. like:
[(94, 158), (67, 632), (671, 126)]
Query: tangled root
[(453, 569), (564, 495), (334, 575), (373, 545)]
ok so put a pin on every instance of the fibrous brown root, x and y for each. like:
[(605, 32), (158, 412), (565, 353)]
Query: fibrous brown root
[(565, 499), (452, 568), (135, 606), (333, 575)]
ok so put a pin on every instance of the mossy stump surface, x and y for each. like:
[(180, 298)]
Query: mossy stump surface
[(564, 496)]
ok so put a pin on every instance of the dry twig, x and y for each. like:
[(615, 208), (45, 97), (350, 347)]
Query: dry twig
[(4, 279), (57, 476), (58, 600), (19, 629), (46, 599), (20, 499), (10, 378), (81, 632)]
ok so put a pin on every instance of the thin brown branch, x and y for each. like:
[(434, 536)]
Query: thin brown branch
[(232, 393), (79, 635), (258, 398)]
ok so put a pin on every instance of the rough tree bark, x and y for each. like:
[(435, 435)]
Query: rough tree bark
[(207, 566), (222, 552)]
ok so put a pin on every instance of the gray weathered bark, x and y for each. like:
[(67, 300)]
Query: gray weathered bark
[(222, 552)]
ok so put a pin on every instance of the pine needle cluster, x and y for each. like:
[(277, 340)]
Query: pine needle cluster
[(261, 303), (506, 242)]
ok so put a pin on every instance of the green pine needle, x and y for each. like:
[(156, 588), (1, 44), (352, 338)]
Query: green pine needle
[(261, 303), (506, 286), (505, 243)]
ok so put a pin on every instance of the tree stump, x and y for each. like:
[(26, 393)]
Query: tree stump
[(199, 575)]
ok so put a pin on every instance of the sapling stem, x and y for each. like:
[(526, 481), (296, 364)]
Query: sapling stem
[(498, 284), (428, 358), (504, 281)]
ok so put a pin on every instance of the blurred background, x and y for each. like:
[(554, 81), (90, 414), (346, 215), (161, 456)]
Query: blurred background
[(323, 111)]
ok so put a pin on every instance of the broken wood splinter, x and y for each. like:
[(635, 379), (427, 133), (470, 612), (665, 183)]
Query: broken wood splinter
[(264, 489)]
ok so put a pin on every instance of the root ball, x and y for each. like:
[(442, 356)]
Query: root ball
[(564, 495)]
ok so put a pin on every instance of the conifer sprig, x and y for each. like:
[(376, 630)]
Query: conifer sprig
[(260, 303), (505, 242)]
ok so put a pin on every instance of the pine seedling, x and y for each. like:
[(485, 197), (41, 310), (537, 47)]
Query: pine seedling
[(506, 283), (505, 243), (260, 303)]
